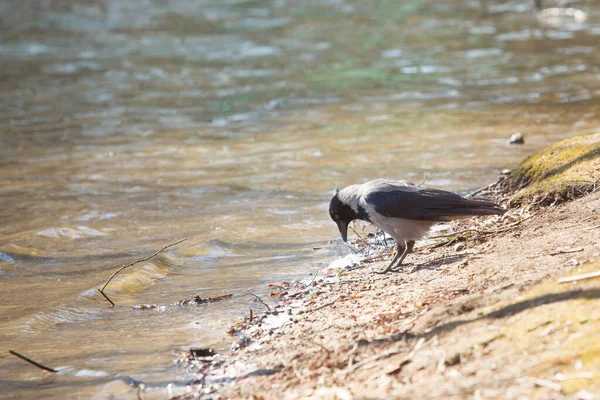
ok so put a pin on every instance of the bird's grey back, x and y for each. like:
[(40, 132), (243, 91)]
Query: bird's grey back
[(387, 185), (402, 199)]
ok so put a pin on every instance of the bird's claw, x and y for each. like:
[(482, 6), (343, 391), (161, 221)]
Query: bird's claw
[(398, 268)]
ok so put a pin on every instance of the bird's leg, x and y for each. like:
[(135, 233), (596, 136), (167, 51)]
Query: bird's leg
[(402, 252), (407, 250), (399, 251)]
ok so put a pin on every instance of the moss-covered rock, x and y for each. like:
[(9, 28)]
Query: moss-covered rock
[(563, 171)]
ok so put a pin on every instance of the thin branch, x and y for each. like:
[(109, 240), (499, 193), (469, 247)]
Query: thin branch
[(312, 280), (112, 304), (30, 361), (575, 278), (455, 233), (491, 185), (325, 305), (503, 229), (139, 261), (360, 237), (133, 263), (425, 179), (367, 360), (260, 301), (566, 251), (351, 249)]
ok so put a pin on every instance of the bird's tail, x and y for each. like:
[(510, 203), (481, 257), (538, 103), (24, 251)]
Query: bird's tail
[(480, 207)]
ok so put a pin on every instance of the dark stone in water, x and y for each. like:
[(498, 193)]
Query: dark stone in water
[(202, 352), (202, 300)]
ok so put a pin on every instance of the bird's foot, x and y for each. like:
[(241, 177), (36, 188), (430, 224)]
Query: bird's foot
[(390, 268), (397, 268)]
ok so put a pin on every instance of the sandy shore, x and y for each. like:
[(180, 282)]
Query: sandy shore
[(481, 315), (504, 307)]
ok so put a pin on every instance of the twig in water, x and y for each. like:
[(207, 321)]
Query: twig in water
[(30, 361), (576, 278), (133, 263), (260, 301), (106, 297)]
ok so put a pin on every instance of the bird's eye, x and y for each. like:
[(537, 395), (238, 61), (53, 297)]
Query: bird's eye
[(336, 216)]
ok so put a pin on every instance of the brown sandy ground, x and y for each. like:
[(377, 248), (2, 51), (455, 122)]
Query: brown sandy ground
[(479, 315), (487, 321)]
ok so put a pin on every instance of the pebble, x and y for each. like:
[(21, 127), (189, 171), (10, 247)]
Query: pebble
[(459, 247), (516, 138)]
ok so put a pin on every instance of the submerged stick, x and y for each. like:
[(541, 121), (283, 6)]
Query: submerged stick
[(106, 297), (133, 263), (30, 361)]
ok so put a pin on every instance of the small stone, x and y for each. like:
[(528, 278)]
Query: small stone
[(584, 395), (242, 342), (459, 247), (505, 171), (516, 138)]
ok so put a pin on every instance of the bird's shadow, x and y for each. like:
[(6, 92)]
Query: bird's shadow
[(503, 312), (437, 262)]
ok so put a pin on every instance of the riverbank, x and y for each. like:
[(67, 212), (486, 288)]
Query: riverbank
[(501, 308)]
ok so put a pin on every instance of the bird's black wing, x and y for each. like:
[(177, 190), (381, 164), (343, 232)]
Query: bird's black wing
[(428, 204)]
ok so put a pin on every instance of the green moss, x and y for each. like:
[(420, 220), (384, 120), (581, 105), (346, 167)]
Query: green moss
[(561, 172)]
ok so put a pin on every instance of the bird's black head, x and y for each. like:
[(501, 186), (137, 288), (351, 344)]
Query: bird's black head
[(342, 214)]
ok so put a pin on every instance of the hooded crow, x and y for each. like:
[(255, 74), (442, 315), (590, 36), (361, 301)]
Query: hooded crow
[(403, 210)]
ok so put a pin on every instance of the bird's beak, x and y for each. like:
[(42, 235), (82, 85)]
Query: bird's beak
[(343, 227)]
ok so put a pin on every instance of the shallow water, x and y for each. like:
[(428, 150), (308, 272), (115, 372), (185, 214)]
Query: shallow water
[(127, 125)]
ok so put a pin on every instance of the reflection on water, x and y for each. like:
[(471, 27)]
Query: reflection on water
[(127, 125)]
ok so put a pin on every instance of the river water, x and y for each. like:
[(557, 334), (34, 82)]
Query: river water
[(126, 125)]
